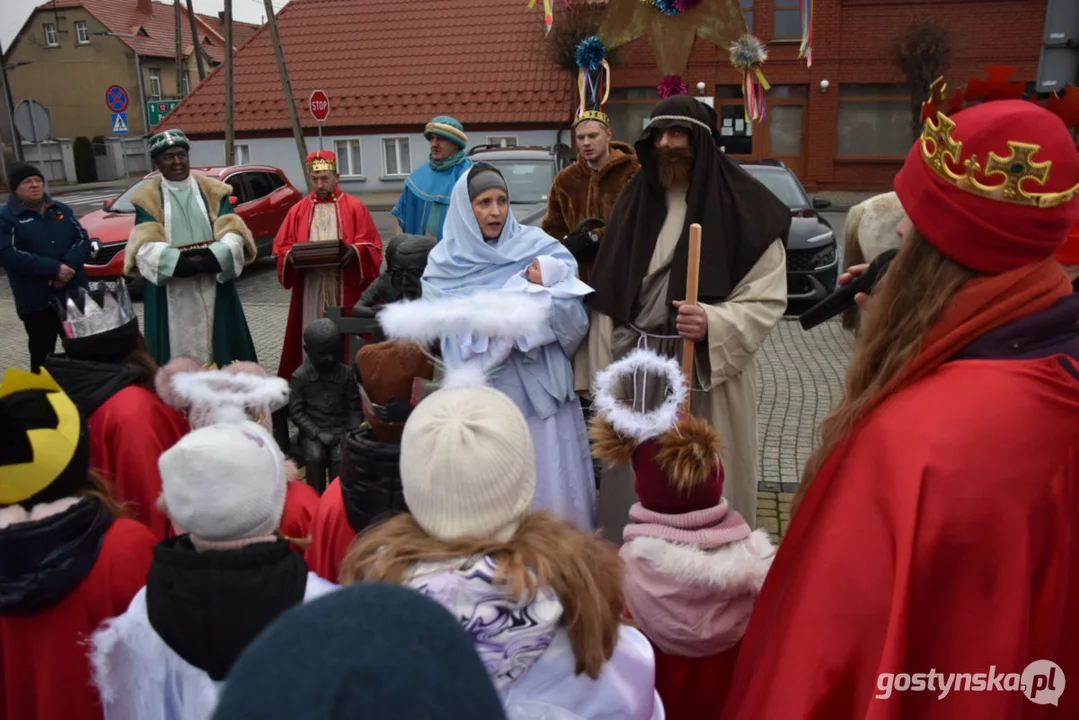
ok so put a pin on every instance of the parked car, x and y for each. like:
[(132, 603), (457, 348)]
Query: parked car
[(812, 253), (529, 172), (261, 195)]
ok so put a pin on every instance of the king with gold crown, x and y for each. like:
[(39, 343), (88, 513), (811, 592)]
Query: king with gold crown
[(328, 214)]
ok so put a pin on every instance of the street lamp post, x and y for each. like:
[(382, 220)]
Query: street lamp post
[(142, 93)]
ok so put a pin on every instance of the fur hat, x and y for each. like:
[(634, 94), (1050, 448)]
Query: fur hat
[(223, 483), (387, 372), (675, 457)]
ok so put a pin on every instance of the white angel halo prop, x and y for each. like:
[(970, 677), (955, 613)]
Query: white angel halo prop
[(230, 393), (626, 421)]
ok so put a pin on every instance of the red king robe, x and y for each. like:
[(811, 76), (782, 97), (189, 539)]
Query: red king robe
[(357, 228), (941, 536)]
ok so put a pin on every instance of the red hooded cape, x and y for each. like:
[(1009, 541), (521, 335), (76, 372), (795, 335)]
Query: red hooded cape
[(941, 537), (358, 229)]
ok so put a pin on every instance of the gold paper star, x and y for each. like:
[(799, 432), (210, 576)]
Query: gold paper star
[(671, 37)]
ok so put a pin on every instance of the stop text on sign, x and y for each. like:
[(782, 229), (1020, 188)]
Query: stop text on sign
[(319, 104)]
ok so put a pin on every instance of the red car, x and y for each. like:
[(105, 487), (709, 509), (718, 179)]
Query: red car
[(261, 194)]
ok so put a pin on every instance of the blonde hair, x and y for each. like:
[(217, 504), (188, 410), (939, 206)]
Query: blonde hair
[(583, 570), (910, 300), (99, 488)]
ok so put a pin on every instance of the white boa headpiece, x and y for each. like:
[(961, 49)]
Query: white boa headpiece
[(631, 423), (496, 315)]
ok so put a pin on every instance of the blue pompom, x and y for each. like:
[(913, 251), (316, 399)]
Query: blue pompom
[(667, 7), (591, 53)]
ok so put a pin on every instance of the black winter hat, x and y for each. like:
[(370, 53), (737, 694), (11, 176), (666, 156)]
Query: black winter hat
[(372, 651), (17, 172)]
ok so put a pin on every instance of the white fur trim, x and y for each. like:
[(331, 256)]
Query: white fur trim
[(741, 564), (148, 260), (235, 244), (626, 421), (15, 514), (494, 314), (470, 374), (228, 395)]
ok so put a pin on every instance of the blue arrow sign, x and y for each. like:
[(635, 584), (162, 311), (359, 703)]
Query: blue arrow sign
[(119, 123)]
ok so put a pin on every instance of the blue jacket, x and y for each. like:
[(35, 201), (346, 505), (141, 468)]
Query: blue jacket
[(32, 248)]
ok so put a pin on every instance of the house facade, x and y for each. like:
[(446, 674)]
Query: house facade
[(843, 123), (62, 59)]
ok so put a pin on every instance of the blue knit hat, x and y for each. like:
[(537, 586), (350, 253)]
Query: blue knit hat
[(373, 651), (446, 127)]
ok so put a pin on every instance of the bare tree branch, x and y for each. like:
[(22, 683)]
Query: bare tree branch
[(923, 52)]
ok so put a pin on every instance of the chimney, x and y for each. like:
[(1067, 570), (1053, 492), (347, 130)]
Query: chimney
[(221, 17), (146, 6)]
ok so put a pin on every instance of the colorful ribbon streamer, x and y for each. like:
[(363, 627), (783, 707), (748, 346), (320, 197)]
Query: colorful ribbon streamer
[(754, 89), (548, 16), (806, 49), (586, 80)]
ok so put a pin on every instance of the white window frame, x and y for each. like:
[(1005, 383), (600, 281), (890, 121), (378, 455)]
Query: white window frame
[(155, 79), (82, 32), (502, 140), (242, 153), (185, 85), (52, 38), (385, 167), (344, 160)]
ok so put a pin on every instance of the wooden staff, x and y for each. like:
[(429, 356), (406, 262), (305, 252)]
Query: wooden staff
[(692, 274)]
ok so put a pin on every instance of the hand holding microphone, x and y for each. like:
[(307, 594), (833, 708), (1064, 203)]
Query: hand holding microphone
[(855, 286)]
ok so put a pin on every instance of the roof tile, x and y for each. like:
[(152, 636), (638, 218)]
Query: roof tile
[(383, 62)]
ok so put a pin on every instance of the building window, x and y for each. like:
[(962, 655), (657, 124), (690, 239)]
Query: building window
[(243, 154), (502, 140), (396, 161), (155, 83), (747, 13), (349, 161), (51, 38), (874, 121), (184, 87), (788, 20), (82, 32)]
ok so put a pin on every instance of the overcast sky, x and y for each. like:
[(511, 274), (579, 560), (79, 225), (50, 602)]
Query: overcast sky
[(15, 12)]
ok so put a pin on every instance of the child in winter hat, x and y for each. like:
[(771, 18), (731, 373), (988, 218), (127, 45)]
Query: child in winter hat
[(211, 591), (693, 567)]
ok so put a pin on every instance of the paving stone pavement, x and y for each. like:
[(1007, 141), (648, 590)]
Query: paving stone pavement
[(800, 376)]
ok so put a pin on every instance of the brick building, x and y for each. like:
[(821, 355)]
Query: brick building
[(388, 67)]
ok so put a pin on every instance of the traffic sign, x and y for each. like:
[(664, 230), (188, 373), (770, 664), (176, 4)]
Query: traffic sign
[(320, 105), (158, 109), (119, 123), (116, 98)]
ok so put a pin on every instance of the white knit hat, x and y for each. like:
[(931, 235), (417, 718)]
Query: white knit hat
[(225, 482), (468, 468)]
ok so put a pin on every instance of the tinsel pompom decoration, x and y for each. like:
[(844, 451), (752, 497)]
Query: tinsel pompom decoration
[(671, 85), (747, 52), (591, 52), (667, 7)]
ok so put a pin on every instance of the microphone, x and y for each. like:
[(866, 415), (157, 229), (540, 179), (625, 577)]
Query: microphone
[(843, 298)]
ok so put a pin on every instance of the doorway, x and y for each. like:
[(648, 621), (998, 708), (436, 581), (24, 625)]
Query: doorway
[(780, 137)]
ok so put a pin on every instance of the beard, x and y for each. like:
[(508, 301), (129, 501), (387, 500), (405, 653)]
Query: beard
[(674, 166)]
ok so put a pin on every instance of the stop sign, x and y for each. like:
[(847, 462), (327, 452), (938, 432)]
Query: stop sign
[(320, 105)]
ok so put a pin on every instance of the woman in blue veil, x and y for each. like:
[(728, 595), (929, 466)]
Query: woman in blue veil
[(483, 246)]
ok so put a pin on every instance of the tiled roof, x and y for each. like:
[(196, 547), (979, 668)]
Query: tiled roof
[(391, 63), (159, 40), (240, 31)]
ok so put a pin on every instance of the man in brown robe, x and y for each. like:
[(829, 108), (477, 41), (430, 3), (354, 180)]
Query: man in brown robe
[(640, 281)]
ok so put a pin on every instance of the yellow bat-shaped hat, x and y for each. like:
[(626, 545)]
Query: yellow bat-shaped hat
[(41, 430)]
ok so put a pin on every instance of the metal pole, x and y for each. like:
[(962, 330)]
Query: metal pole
[(230, 131), (37, 143), (142, 103), (16, 145), (320, 136)]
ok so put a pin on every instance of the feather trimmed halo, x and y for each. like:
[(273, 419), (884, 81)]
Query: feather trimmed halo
[(495, 314), (228, 395), (627, 422)]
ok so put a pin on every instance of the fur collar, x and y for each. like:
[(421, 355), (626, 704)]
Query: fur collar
[(148, 197), (740, 564)]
